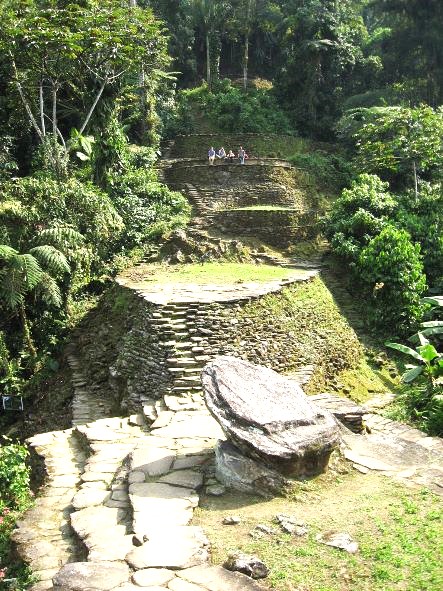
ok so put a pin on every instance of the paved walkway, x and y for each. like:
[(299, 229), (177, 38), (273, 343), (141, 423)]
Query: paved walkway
[(117, 506), (116, 509)]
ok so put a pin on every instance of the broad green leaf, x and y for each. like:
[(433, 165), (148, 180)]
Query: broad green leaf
[(432, 324), (405, 349), (428, 352), (409, 376), (436, 300)]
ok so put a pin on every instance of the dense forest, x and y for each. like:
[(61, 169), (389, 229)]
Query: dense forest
[(90, 89)]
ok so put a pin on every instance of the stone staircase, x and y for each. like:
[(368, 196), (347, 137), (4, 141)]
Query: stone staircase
[(220, 193), (87, 405)]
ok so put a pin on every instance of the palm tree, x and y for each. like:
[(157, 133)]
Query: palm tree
[(35, 271)]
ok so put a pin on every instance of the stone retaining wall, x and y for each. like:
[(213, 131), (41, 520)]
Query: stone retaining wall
[(278, 228), (164, 347), (196, 145)]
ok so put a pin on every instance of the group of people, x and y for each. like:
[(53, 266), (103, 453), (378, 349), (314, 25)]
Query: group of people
[(230, 156)]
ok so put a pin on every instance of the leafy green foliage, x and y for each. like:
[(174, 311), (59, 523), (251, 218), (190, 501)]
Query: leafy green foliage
[(80, 50), (359, 215), (330, 170), (14, 475), (424, 398), (391, 269), (231, 109), (42, 202), (147, 207), (402, 141), (322, 50), (423, 219), (15, 497), (8, 165)]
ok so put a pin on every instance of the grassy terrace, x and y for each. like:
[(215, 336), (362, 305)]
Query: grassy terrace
[(398, 531), (207, 273)]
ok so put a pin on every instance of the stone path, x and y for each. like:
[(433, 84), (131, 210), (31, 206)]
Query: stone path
[(117, 504), (86, 406), (45, 538), (398, 451)]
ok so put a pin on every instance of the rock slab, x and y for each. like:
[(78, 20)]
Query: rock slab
[(269, 418), (90, 576)]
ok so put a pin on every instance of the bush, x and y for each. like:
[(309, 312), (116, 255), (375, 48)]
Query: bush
[(27, 204), (423, 219), (147, 207), (358, 215), (8, 165), (232, 109), (330, 171), (15, 497), (391, 270)]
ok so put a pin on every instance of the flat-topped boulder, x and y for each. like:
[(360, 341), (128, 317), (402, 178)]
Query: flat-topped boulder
[(269, 418)]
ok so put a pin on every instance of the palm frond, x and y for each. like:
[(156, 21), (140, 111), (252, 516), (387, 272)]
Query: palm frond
[(51, 259)]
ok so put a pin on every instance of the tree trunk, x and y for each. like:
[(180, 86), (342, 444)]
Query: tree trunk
[(245, 62), (26, 332), (414, 168), (208, 62), (246, 47), (55, 130), (23, 99), (94, 104), (42, 109)]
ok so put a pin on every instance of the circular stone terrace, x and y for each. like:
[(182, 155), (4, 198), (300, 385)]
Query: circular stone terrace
[(209, 282)]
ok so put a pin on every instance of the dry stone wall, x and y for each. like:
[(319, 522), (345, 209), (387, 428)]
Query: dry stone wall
[(278, 227), (166, 346)]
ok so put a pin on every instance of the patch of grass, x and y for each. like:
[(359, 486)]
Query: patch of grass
[(398, 530), (206, 273)]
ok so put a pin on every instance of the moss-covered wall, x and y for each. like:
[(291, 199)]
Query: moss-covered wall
[(144, 350)]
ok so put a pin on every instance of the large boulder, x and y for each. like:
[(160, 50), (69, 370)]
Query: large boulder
[(269, 418)]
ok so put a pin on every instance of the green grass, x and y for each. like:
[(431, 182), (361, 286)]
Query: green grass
[(398, 531), (206, 273)]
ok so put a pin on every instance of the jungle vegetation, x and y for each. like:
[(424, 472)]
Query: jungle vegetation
[(88, 89)]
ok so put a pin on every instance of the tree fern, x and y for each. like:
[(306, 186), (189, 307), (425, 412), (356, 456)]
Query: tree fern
[(7, 252), (49, 291), (51, 259), (61, 237), (19, 275)]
